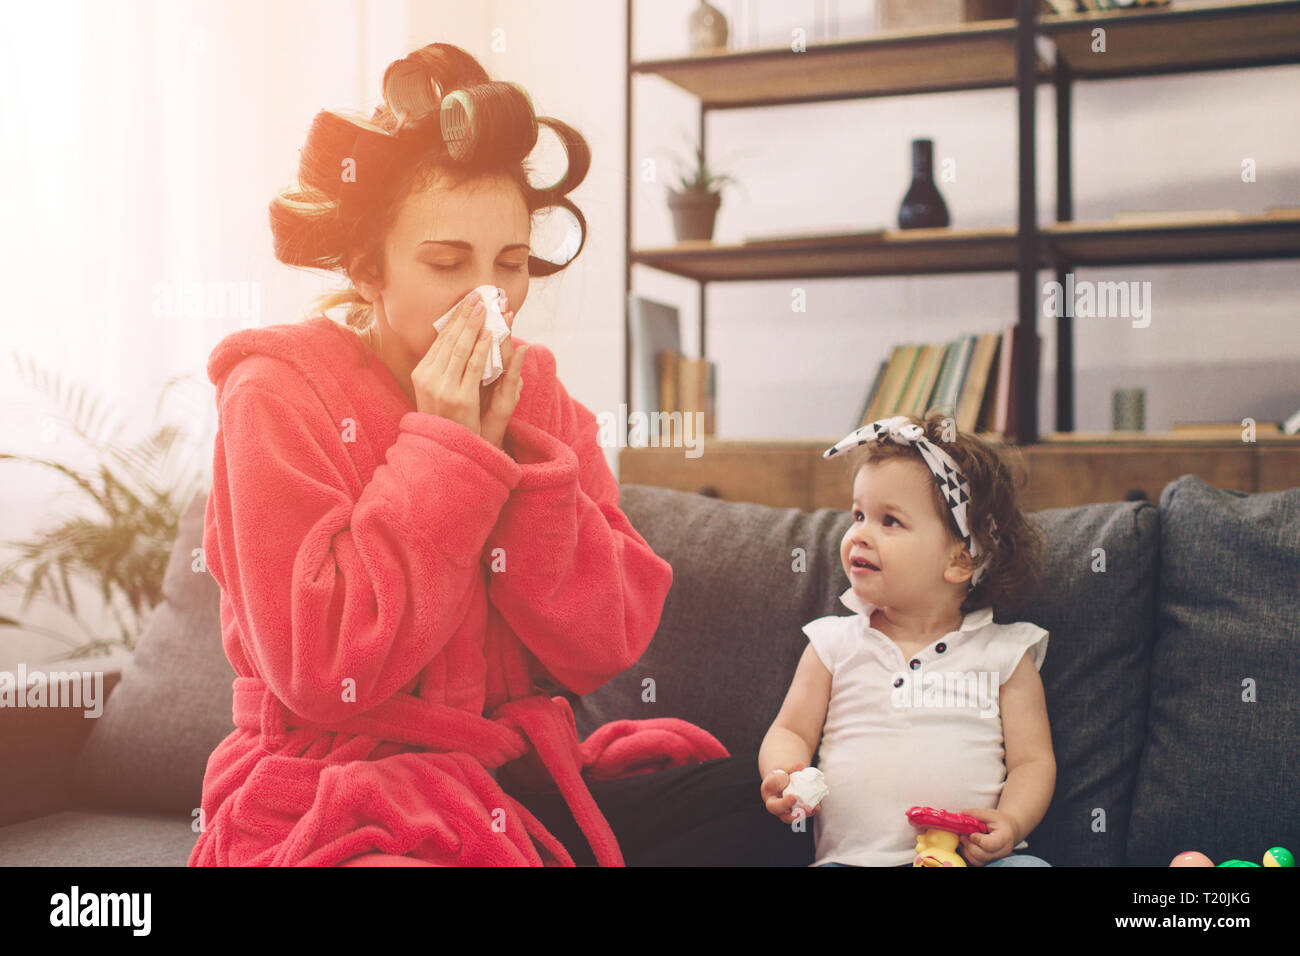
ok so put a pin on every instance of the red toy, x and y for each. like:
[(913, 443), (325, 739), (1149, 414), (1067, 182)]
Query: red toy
[(931, 819), (936, 844)]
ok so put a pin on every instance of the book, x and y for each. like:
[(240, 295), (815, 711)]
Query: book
[(652, 327), (988, 406), (893, 400), (922, 377), (693, 387), (1005, 406), (937, 355), (977, 381), (1015, 352), (711, 402), (872, 392), (947, 391), (893, 364), (666, 365)]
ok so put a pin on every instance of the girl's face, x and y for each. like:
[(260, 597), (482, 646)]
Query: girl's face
[(896, 528), (444, 244)]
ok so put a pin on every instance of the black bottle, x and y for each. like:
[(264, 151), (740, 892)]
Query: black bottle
[(923, 207)]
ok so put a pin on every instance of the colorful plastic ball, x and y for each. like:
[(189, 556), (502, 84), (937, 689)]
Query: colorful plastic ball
[(1237, 863), (1278, 856), (1191, 858)]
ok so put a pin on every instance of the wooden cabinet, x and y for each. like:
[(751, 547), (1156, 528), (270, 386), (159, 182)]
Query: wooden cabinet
[(1072, 470)]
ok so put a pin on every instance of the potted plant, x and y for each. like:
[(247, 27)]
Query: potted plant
[(139, 491), (695, 203)]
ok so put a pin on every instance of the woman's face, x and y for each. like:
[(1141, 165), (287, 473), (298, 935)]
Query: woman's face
[(896, 527), (443, 244)]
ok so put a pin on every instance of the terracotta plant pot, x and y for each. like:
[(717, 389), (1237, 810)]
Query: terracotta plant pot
[(694, 213)]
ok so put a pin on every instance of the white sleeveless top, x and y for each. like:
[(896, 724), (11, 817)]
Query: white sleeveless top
[(903, 732)]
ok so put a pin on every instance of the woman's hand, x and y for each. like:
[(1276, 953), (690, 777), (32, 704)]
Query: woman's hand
[(784, 807), (446, 381), (982, 848), (500, 398)]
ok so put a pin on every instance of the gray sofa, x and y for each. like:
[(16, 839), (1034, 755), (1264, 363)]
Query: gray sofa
[(1172, 678)]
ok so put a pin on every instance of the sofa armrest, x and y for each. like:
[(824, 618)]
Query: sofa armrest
[(39, 745)]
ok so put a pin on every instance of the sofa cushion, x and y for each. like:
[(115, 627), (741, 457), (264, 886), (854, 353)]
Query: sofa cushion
[(730, 637), (90, 838), (1219, 767), (150, 747)]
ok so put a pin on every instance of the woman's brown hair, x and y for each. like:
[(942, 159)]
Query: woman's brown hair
[(443, 118), (1013, 561)]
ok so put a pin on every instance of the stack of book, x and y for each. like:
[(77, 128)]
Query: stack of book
[(972, 379), (1086, 6)]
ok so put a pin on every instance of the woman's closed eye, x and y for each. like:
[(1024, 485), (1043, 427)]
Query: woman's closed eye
[(443, 268)]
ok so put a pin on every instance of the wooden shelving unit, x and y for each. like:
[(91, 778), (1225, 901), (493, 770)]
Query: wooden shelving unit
[(968, 56), (984, 55), (1063, 470), (1177, 40)]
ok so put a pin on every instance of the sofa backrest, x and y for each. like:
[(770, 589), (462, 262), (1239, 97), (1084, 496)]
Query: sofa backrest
[(150, 747), (1221, 767)]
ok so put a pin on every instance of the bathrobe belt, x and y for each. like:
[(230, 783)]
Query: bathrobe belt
[(543, 722)]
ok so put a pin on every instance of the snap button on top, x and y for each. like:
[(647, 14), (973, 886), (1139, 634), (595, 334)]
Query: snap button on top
[(915, 663)]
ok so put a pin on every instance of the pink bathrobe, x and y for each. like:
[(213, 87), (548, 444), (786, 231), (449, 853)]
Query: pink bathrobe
[(391, 584)]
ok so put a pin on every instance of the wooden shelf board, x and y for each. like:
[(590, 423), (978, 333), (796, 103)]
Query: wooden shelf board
[(898, 252), (1139, 242), (966, 56), (931, 251), (1144, 42)]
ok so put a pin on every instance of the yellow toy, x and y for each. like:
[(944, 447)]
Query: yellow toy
[(937, 848), (936, 844)]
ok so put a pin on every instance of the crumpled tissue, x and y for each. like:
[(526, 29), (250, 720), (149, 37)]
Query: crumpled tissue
[(495, 326), (808, 786)]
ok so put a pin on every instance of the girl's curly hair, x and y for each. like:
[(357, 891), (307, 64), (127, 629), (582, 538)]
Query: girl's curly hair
[(443, 118), (1013, 561)]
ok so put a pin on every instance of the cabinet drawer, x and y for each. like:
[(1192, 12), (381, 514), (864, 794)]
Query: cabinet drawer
[(777, 475), (1063, 477)]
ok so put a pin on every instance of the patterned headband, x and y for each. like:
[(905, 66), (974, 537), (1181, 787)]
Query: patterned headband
[(951, 481)]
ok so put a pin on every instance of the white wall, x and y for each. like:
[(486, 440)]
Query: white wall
[(152, 161)]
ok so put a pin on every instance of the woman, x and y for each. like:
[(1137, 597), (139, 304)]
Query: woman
[(405, 554)]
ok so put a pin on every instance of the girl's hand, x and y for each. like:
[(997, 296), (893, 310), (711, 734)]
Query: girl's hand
[(777, 805), (500, 398), (982, 848), (446, 381)]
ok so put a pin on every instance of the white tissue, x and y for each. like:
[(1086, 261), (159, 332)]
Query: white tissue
[(494, 325), (808, 786)]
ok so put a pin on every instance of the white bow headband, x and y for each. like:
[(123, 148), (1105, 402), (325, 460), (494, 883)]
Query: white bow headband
[(953, 484)]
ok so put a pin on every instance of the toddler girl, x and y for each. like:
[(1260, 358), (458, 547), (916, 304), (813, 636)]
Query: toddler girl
[(919, 699)]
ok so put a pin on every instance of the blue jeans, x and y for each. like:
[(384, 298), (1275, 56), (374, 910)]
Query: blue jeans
[(1011, 859)]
